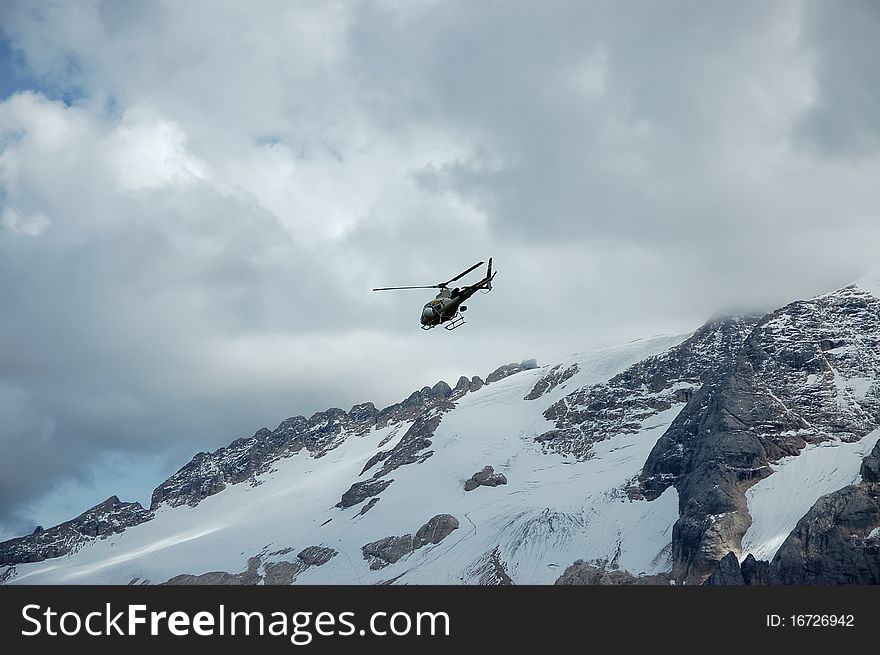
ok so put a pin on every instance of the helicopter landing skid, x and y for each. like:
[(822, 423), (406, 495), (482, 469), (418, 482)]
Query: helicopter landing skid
[(456, 321)]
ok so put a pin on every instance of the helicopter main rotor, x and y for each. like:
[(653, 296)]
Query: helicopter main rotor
[(442, 285)]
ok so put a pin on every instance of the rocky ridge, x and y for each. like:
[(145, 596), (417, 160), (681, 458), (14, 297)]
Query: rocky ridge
[(245, 459), (99, 522), (595, 412)]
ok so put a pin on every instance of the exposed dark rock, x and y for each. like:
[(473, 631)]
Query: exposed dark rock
[(441, 390), (247, 458), (599, 411), (461, 387), (412, 447), (104, 519), (363, 415), (510, 369), (249, 576), (282, 573), (870, 469), (713, 452), (486, 478), (727, 573), (283, 551), (375, 459), (836, 542), (582, 573), (435, 530), (211, 578), (416, 405), (366, 508), (360, 491), (754, 571), (316, 555), (387, 551), (556, 376)]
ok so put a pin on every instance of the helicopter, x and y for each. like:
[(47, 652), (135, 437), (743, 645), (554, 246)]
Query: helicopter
[(447, 305)]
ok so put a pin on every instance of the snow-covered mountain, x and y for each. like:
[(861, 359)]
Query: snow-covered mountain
[(745, 452)]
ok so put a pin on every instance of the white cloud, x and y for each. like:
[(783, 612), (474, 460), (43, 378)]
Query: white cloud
[(148, 152)]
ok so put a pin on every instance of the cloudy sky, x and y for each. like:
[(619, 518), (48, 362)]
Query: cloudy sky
[(196, 198)]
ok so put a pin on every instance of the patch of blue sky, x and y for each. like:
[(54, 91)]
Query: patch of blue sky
[(16, 76)]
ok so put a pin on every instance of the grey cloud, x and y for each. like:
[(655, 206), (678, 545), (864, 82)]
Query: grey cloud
[(842, 39), (509, 82)]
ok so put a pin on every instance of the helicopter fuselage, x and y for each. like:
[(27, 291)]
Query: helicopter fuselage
[(446, 304)]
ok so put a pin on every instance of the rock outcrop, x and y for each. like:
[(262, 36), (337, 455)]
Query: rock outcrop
[(485, 478), (584, 573), (727, 573), (360, 491), (510, 369), (556, 376), (272, 572), (754, 571), (389, 550), (315, 555), (435, 530)]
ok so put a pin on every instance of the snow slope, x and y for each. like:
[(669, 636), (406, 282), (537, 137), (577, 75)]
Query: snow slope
[(553, 510), (777, 502)]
